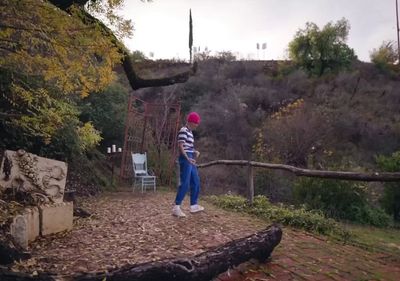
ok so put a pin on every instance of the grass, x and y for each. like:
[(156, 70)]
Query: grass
[(385, 240)]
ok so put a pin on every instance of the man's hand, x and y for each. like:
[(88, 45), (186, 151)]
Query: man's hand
[(197, 153), (192, 161)]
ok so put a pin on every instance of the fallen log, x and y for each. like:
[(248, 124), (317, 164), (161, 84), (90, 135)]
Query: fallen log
[(6, 275), (202, 267), (9, 253)]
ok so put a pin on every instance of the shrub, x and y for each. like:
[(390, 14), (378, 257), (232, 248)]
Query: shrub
[(231, 202), (338, 199), (390, 200), (373, 216), (385, 57), (300, 218)]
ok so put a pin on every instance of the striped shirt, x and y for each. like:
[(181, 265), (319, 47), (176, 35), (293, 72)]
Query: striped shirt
[(185, 136)]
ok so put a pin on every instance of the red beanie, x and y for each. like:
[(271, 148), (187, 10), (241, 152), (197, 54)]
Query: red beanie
[(193, 117)]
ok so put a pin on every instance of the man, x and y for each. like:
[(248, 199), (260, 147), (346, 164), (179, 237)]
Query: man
[(187, 164)]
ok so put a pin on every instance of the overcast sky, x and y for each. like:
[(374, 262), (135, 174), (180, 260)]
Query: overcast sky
[(162, 26)]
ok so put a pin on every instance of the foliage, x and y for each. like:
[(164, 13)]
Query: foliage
[(385, 56), (226, 56), (138, 56), (160, 161), (48, 60), (391, 196), (203, 56), (107, 112), (299, 218), (275, 184), (65, 144), (89, 137), (48, 118), (339, 199), (321, 51), (107, 11), (290, 134)]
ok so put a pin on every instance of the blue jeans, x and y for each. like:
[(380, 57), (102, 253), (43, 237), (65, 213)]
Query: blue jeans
[(189, 177)]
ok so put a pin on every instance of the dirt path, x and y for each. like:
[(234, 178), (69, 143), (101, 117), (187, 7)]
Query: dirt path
[(131, 228)]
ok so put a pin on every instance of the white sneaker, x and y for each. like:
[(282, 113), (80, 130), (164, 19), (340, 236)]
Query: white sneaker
[(196, 208), (176, 211)]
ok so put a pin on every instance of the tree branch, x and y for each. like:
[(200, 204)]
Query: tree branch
[(135, 81), (65, 4)]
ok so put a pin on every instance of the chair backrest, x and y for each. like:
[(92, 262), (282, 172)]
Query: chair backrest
[(139, 163)]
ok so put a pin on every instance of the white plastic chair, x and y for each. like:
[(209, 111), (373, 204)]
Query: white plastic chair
[(141, 175)]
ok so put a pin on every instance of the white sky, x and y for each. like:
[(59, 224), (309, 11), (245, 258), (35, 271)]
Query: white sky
[(162, 26)]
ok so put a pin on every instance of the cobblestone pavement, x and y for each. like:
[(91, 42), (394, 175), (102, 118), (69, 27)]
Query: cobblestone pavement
[(302, 256)]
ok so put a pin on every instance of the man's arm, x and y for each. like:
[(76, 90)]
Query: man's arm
[(183, 152)]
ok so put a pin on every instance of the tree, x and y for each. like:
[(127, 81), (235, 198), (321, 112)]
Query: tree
[(386, 56), (44, 68), (51, 57), (320, 51)]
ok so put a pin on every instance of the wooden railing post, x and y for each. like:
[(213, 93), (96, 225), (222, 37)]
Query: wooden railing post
[(250, 183)]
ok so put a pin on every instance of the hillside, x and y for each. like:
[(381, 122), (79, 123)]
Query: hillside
[(269, 111)]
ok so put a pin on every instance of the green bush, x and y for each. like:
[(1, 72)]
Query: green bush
[(338, 199), (300, 218), (230, 202), (390, 200), (373, 216)]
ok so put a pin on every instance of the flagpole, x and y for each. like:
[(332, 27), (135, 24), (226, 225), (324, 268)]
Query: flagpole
[(398, 30)]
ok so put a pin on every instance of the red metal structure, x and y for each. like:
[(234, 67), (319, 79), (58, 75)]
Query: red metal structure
[(151, 127)]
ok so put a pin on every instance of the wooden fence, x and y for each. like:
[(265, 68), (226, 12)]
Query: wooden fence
[(355, 176)]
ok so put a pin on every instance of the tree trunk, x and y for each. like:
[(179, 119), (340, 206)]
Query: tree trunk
[(202, 267), (6, 275)]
